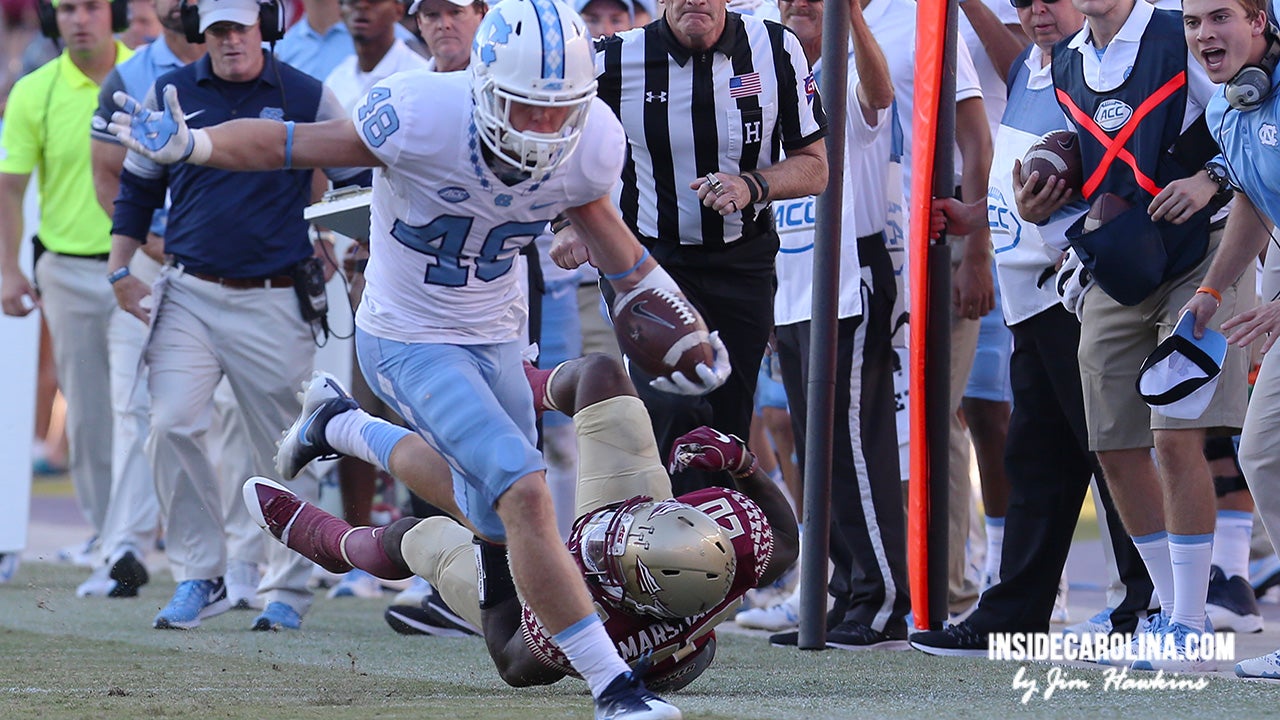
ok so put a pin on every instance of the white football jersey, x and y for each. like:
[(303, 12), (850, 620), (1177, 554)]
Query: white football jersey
[(444, 230)]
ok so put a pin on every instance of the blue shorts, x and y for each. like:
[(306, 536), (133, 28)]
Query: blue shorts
[(472, 404), (989, 378)]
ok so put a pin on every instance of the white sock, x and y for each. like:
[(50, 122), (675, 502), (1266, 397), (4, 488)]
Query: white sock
[(995, 541), (591, 653), (1190, 556), (359, 434), (1231, 542), (1154, 549)]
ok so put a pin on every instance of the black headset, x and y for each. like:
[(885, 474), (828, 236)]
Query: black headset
[(1252, 84), (270, 20), (49, 17)]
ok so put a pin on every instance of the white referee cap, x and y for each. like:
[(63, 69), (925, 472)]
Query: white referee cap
[(1178, 379)]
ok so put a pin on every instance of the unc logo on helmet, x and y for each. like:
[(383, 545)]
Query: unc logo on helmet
[(535, 53)]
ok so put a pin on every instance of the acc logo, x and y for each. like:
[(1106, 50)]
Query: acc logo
[(1267, 135), (272, 113), (1112, 114), (453, 194)]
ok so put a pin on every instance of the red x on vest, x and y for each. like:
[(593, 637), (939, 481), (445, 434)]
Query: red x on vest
[(1115, 147)]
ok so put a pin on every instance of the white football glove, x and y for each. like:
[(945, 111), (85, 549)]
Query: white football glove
[(161, 135), (1074, 280), (710, 377)]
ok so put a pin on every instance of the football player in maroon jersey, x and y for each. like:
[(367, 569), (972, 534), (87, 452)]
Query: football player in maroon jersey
[(662, 572)]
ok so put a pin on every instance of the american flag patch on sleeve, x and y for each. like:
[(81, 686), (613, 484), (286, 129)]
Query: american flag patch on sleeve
[(744, 85)]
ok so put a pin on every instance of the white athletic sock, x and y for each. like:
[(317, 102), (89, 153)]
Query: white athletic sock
[(995, 542), (1231, 542), (1154, 549), (1190, 556), (359, 434), (591, 653)]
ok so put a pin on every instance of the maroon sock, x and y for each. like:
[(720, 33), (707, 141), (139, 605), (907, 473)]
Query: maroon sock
[(317, 535), (364, 548)]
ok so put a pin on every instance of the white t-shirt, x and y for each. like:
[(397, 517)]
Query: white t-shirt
[(350, 84), (866, 164), (893, 22), (445, 230), (993, 85)]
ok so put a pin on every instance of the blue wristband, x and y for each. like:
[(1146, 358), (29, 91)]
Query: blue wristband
[(288, 145), (618, 276), (118, 274)]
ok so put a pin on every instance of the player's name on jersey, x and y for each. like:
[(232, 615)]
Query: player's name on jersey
[(1113, 647)]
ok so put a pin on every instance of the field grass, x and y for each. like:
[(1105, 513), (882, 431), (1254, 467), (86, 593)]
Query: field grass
[(68, 658)]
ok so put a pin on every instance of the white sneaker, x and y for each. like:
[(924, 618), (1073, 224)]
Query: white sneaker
[(783, 616), (1267, 666), (417, 591), (85, 554), (99, 583), (242, 580), (1099, 624), (357, 583)]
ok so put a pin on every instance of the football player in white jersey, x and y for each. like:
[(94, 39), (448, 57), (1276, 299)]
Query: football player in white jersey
[(469, 168)]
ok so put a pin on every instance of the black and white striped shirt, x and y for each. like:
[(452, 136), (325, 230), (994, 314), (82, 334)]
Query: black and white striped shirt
[(731, 109)]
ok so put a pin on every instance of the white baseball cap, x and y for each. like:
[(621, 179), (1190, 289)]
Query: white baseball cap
[(413, 9), (1178, 379), (242, 12)]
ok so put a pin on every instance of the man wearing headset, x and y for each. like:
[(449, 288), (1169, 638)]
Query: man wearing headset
[(1238, 46), (46, 127), (236, 249)]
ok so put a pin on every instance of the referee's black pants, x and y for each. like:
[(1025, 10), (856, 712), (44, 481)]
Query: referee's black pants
[(868, 525), (1049, 465), (732, 287)]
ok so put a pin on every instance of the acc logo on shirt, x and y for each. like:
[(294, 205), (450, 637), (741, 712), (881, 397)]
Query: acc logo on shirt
[(1267, 135), (453, 194), (1112, 114)]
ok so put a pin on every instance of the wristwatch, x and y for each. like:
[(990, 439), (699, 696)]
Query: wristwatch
[(1217, 172)]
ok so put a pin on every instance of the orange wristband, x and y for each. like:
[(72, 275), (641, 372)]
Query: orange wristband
[(1210, 292)]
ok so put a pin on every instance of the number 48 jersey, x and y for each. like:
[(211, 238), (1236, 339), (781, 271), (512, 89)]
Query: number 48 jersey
[(445, 230)]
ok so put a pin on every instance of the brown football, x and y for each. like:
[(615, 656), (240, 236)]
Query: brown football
[(1058, 155), (1103, 210), (661, 332)]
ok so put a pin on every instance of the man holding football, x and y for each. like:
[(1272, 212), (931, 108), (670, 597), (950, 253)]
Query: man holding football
[(470, 167)]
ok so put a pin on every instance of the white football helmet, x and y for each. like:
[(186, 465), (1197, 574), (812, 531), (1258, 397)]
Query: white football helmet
[(538, 53), (666, 559)]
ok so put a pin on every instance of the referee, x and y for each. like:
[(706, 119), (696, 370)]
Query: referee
[(711, 101)]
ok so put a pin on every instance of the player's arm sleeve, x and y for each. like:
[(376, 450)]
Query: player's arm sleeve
[(330, 108), (383, 116), (106, 106), (801, 119), (20, 139), (139, 198), (599, 157)]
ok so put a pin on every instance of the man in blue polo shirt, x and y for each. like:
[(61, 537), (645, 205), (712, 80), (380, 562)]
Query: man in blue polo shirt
[(227, 303)]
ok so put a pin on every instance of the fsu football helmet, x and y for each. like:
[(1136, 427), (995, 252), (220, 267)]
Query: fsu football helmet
[(666, 559), (537, 53)]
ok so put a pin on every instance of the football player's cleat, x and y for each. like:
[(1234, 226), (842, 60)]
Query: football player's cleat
[(322, 398), (626, 698), (665, 559), (539, 54), (301, 526)]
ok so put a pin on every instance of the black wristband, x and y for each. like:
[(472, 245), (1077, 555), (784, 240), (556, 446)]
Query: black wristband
[(752, 187), (361, 265), (495, 581), (764, 184), (559, 222)]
